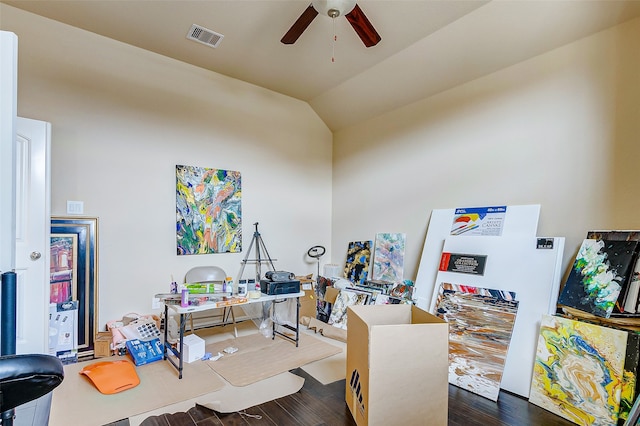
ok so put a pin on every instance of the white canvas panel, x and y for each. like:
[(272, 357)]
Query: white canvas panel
[(519, 221)]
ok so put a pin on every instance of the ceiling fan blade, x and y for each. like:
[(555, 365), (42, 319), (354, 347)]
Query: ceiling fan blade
[(300, 25), (363, 27)]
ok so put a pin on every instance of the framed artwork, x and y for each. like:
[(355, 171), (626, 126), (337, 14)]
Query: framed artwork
[(74, 272), (208, 210)]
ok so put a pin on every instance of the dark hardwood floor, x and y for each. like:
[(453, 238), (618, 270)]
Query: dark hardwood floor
[(318, 404)]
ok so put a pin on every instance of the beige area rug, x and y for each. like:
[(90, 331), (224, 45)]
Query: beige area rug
[(77, 402), (326, 370), (258, 357), (330, 369), (231, 398)]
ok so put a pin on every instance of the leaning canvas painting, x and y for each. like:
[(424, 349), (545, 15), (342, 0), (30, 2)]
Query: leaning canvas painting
[(356, 267), (598, 275), (388, 257), (481, 322), (578, 371)]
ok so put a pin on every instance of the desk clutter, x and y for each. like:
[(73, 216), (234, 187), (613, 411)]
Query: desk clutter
[(132, 326), (224, 293), (200, 299)]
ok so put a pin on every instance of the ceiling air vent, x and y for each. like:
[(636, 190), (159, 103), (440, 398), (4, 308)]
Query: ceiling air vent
[(204, 36)]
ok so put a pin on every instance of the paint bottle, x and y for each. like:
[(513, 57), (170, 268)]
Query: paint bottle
[(242, 288), (173, 288), (184, 300), (229, 285)]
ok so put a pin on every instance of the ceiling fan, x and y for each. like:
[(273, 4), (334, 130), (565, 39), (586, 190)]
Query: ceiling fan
[(334, 8)]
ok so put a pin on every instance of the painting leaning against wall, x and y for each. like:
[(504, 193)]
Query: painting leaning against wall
[(208, 210)]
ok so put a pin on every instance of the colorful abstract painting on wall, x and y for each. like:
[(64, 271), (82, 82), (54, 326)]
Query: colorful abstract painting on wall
[(578, 371), (388, 257), (480, 326), (600, 271), (208, 211), (356, 267)]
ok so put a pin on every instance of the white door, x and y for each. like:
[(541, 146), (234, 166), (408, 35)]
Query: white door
[(33, 221)]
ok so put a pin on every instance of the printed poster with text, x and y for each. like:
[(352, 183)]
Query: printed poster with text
[(479, 221)]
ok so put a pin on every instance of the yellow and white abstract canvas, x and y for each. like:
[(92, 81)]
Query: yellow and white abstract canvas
[(578, 371)]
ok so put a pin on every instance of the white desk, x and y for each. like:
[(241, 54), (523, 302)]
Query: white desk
[(184, 312)]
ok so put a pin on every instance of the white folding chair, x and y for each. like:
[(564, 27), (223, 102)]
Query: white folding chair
[(210, 274)]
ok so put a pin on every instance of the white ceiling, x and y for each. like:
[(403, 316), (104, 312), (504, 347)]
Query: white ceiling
[(427, 46)]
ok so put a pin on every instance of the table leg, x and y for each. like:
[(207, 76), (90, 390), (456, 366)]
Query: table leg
[(297, 320), (273, 323), (166, 335), (235, 327), (169, 348), (181, 344), (296, 328)]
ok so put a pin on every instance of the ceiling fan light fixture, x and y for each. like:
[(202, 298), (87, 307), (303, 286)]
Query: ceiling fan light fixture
[(334, 8)]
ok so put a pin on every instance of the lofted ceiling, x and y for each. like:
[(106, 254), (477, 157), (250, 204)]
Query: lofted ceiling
[(427, 46)]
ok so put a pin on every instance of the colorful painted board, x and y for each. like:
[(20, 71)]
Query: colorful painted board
[(630, 377), (600, 271), (578, 371), (356, 267), (346, 298), (208, 211), (629, 300), (480, 325), (634, 414), (388, 257)]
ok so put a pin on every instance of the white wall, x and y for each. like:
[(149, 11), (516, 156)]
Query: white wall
[(122, 118), (560, 130)]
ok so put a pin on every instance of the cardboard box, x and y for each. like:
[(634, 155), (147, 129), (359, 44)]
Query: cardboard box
[(397, 365), (102, 344), (192, 348), (308, 303), (331, 294)]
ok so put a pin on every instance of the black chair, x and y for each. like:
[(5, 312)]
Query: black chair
[(24, 378)]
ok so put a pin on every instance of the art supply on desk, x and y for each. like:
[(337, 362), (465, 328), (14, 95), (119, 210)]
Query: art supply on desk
[(204, 288), (228, 301), (228, 285), (242, 287), (174, 286), (184, 301), (252, 285)]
